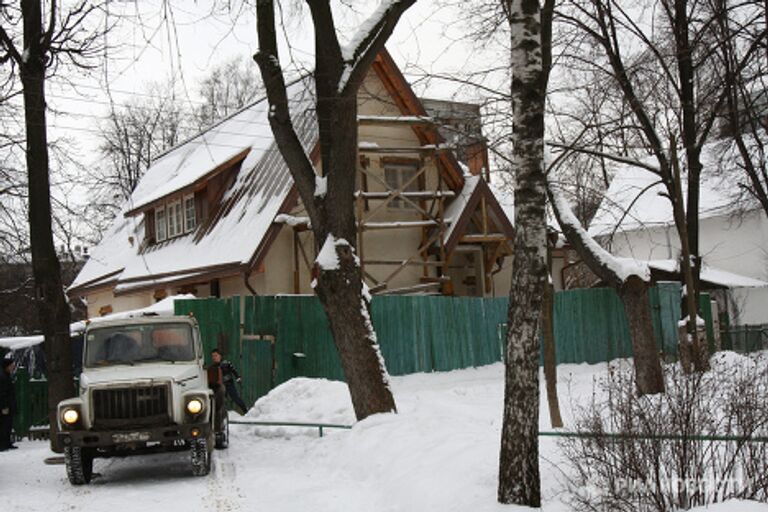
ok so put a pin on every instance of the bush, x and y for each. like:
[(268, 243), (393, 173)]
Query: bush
[(661, 460)]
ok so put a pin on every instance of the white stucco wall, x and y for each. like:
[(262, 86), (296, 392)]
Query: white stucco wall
[(748, 306), (732, 244)]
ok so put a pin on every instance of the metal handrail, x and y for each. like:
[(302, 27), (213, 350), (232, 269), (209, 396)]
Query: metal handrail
[(319, 426)]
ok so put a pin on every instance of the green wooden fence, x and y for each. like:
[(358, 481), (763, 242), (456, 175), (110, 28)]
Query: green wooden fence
[(282, 337), (272, 339), (32, 402)]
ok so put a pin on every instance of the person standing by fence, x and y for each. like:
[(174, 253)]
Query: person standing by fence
[(230, 378), (7, 403)]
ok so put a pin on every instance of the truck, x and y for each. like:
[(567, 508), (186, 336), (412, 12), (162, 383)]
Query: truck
[(143, 389)]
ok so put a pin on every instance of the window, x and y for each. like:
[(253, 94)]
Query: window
[(190, 220), (160, 227), (175, 219), (397, 175)]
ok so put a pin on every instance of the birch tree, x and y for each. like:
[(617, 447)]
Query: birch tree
[(329, 199), (519, 480)]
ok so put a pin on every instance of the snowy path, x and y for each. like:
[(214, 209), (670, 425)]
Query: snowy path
[(439, 454)]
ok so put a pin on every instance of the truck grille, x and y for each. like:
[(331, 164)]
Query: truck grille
[(124, 407)]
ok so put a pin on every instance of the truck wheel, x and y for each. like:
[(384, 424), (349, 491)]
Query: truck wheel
[(201, 457), (79, 464), (222, 438)]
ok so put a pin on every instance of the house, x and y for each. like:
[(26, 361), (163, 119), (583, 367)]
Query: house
[(218, 215), (635, 220)]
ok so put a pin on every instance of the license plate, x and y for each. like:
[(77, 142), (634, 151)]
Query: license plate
[(130, 437)]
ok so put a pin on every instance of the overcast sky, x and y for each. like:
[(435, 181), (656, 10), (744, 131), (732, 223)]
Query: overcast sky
[(150, 43)]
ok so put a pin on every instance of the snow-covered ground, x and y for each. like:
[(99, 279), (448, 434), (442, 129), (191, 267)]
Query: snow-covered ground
[(438, 454)]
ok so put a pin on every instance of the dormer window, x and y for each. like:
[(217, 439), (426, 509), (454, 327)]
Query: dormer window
[(175, 219), (160, 231), (190, 219)]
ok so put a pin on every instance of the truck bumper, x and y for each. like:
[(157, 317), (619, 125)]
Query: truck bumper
[(138, 437)]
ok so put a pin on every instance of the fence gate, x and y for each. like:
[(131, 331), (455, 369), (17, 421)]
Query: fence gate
[(258, 365)]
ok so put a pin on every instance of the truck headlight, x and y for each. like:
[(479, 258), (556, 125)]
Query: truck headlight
[(70, 416), (194, 406)]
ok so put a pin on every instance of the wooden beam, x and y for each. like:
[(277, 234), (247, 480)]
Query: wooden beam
[(491, 237), (425, 194), (395, 120), (398, 224), (400, 262), (399, 193), (440, 279), (411, 289), (429, 149)]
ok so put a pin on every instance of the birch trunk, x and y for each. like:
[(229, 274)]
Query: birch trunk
[(519, 480)]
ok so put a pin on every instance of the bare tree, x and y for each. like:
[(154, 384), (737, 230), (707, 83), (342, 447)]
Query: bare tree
[(329, 200), (662, 67), (226, 89), (32, 47), (631, 282), (135, 133), (743, 73)]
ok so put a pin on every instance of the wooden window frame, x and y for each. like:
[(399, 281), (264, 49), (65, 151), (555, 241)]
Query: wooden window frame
[(189, 198), (400, 166), (161, 225), (174, 213)]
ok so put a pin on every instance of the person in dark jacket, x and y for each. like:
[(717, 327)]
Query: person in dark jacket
[(229, 377), (7, 404)]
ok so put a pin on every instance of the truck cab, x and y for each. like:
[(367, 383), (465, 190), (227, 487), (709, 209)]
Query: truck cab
[(143, 389)]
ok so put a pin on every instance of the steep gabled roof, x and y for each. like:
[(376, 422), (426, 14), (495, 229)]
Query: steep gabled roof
[(237, 228), (241, 231), (459, 213)]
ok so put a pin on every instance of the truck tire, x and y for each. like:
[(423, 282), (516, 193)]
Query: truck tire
[(79, 462), (222, 438), (201, 457)]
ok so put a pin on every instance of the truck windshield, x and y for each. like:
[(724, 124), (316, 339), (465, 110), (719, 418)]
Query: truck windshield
[(131, 344)]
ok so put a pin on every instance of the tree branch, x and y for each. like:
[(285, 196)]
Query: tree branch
[(615, 158), (8, 43), (287, 140), (369, 41)]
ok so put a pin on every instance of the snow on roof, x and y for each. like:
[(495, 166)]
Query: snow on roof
[(454, 210), (248, 206), (161, 308), (711, 275), (506, 199), (634, 201), (20, 342)]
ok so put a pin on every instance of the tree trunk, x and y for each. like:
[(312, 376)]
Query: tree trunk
[(519, 480), (349, 317), (339, 283), (341, 290), (49, 292), (649, 378), (634, 297), (685, 68), (550, 356), (691, 347)]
